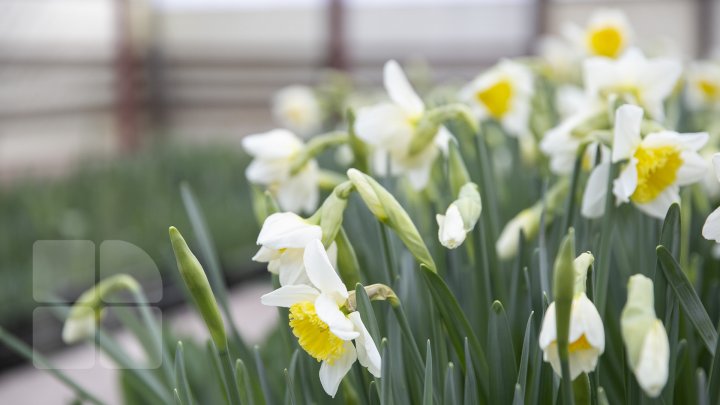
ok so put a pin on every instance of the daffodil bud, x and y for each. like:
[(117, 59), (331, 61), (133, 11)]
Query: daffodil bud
[(432, 120), (332, 210), (460, 217), (197, 284), (375, 292), (361, 182), (646, 341), (87, 311), (581, 264)]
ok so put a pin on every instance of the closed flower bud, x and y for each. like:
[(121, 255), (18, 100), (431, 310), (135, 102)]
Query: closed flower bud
[(197, 284), (460, 217), (361, 182), (646, 341)]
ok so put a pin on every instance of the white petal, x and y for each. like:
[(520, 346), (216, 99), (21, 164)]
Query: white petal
[(716, 165), (583, 361), (711, 229), (548, 331), (291, 268), (278, 143), (300, 193), (659, 207), (288, 295), (693, 169), (332, 374), (652, 368), (367, 352), (657, 81), (628, 119), (267, 171), (585, 320), (400, 90), (624, 186), (322, 274), (384, 125), (451, 230), (287, 230), (329, 312), (265, 254), (419, 177), (593, 203)]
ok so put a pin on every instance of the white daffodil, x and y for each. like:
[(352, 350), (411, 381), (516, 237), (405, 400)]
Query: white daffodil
[(283, 238), (586, 338), (503, 93), (460, 217), (641, 81), (657, 165), (646, 341), (711, 229), (608, 33), (297, 108), (390, 127), (274, 153), (703, 85), (320, 320)]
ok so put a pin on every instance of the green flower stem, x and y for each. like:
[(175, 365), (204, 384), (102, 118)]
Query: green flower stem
[(155, 334), (316, 146)]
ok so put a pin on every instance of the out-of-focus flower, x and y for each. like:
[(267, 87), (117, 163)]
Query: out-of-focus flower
[(656, 167), (283, 238), (711, 229), (297, 108), (639, 80), (460, 217), (608, 33), (703, 85), (503, 93), (586, 340), (274, 153), (320, 320), (646, 341), (391, 126)]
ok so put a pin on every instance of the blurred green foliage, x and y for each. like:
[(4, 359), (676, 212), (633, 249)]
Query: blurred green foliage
[(134, 199)]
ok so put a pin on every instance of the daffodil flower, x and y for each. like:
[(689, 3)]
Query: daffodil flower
[(711, 229), (703, 85), (391, 126), (274, 153), (642, 81), (503, 93), (646, 341), (460, 217), (297, 108), (322, 323), (283, 238), (608, 33), (656, 166), (586, 339)]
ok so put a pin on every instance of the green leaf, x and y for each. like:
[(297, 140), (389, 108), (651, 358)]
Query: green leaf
[(470, 396), (385, 383), (290, 391), (367, 313), (428, 389), (260, 366), (450, 394), (244, 383), (714, 380), (689, 300), (502, 357), (669, 237), (176, 395), (217, 369), (524, 361), (181, 381), (563, 289)]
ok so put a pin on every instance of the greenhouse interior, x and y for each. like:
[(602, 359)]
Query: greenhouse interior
[(359, 202)]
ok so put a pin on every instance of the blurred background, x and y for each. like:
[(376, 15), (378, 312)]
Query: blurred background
[(106, 106)]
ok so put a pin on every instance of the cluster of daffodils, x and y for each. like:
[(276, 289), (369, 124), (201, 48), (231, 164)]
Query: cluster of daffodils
[(420, 240)]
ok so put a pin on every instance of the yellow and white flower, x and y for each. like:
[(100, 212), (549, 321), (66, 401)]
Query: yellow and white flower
[(390, 127), (703, 85), (608, 33), (503, 93), (711, 229), (274, 154), (297, 108), (586, 338), (646, 341), (657, 165), (460, 217), (639, 80), (320, 320), (283, 238)]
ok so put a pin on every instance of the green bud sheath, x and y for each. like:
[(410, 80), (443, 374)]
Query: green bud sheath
[(564, 291), (197, 283)]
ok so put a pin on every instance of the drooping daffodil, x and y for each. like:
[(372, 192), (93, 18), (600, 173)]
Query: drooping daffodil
[(639, 80), (711, 229), (390, 128), (655, 167), (275, 153), (703, 85), (586, 339), (503, 93), (283, 238), (646, 341), (319, 318), (298, 109), (460, 217)]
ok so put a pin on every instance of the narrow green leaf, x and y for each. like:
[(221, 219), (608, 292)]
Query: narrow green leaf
[(689, 300), (470, 397), (518, 395), (428, 389), (411, 345), (260, 367), (244, 383), (603, 258), (176, 395), (289, 391), (502, 357), (366, 312), (524, 361), (450, 394), (581, 389), (563, 289), (701, 385), (181, 381), (669, 237), (714, 380), (385, 382), (217, 369)]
